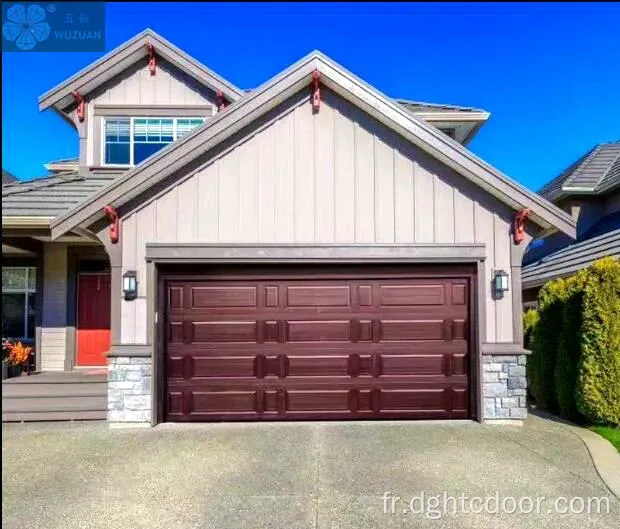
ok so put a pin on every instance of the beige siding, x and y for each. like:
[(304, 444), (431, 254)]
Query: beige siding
[(136, 86), (53, 345), (335, 176)]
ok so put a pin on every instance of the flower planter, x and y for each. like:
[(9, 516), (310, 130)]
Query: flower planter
[(15, 371), (5, 370)]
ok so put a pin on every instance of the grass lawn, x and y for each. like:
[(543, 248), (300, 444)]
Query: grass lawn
[(611, 434)]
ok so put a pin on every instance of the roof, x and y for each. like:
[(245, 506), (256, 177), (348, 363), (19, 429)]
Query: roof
[(7, 177), (246, 110), (596, 172), (63, 165), (50, 196), (421, 106), (123, 57), (571, 258)]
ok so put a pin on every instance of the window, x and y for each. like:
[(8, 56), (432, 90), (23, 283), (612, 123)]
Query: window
[(129, 141), (18, 302)]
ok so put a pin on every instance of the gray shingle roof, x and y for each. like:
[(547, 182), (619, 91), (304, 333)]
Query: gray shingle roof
[(7, 177), (572, 258), (421, 106), (50, 196), (597, 172)]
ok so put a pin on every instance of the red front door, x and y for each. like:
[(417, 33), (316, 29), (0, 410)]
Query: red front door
[(93, 319)]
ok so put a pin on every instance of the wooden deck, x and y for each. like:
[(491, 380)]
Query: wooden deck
[(56, 396)]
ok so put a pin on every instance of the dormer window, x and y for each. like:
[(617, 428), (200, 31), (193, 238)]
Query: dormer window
[(130, 141)]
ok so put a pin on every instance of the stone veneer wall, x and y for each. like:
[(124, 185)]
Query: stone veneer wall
[(129, 390), (504, 386)]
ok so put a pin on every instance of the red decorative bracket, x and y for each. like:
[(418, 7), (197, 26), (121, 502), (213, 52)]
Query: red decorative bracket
[(221, 101), (79, 101), (316, 91), (518, 230), (112, 215), (152, 58)]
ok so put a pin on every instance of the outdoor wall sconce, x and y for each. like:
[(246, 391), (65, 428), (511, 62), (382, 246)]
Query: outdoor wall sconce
[(500, 283), (130, 285)]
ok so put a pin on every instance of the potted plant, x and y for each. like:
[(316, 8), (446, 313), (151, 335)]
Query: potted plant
[(19, 359)]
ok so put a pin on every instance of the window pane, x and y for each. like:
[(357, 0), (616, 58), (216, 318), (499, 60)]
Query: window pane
[(184, 126), (13, 277), (117, 153), (13, 315), (32, 278), (31, 316), (141, 151)]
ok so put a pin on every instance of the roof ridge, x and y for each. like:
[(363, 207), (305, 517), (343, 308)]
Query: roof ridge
[(609, 168), (579, 170)]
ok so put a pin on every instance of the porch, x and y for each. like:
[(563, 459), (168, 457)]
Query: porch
[(78, 395)]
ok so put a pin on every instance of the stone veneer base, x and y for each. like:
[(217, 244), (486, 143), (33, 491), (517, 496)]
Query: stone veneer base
[(129, 391), (504, 387)]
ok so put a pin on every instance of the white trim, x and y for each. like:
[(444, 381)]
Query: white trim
[(26, 221), (452, 116)]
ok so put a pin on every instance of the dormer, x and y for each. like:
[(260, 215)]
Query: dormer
[(134, 101), (460, 123)]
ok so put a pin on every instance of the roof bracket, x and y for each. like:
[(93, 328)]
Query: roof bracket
[(152, 58), (316, 91), (112, 215), (222, 103), (518, 223), (79, 101)]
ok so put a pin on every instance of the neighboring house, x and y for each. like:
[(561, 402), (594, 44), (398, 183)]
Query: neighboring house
[(589, 190), (308, 249), (8, 178)]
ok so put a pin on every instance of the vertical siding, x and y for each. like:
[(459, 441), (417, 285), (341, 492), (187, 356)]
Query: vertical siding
[(335, 176), (53, 345)]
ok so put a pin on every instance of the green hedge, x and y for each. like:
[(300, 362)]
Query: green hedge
[(598, 379), (574, 368)]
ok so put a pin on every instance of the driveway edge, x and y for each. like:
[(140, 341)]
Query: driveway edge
[(604, 455)]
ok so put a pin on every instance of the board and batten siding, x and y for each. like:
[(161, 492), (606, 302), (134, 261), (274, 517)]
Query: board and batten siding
[(136, 86), (333, 177), (53, 344)]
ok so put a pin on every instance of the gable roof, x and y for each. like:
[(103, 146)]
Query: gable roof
[(49, 196), (123, 57), (596, 172), (284, 85), (7, 177), (572, 258)]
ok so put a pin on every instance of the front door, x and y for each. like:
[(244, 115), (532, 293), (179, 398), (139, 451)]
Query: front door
[(93, 319)]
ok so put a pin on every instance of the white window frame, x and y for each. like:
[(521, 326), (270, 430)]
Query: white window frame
[(25, 290), (131, 134)]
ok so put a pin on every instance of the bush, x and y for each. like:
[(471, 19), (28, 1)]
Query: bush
[(546, 339), (569, 347), (598, 376), (530, 319)]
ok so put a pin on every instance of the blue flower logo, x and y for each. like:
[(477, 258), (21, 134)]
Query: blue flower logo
[(25, 27)]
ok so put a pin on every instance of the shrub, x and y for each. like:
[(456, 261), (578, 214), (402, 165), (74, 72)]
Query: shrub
[(569, 347), (598, 376), (530, 319), (546, 341)]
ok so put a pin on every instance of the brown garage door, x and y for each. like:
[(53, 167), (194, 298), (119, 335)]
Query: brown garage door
[(363, 344)]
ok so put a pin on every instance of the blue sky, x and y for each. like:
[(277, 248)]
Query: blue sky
[(548, 73)]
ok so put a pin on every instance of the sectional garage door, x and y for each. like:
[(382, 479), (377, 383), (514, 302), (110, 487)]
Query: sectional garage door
[(365, 343)]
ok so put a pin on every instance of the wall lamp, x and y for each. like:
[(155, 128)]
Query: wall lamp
[(130, 285), (500, 283)]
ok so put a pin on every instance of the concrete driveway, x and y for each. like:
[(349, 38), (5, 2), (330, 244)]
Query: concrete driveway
[(296, 475)]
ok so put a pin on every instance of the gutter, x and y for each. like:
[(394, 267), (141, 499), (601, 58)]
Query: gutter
[(26, 222)]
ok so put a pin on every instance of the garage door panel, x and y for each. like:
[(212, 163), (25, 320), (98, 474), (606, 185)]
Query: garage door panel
[(338, 348), (411, 295), (318, 296), (225, 331), (232, 296)]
